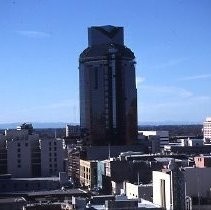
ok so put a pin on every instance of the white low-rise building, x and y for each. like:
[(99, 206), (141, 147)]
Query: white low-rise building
[(207, 128), (163, 136), (195, 142), (135, 191), (169, 188)]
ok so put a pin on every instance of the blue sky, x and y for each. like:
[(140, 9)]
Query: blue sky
[(40, 42)]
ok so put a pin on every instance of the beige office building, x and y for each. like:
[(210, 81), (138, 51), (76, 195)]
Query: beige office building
[(88, 173)]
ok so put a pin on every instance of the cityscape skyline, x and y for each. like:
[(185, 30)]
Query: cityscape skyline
[(40, 51)]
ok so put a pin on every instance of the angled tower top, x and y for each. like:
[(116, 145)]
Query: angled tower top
[(105, 35)]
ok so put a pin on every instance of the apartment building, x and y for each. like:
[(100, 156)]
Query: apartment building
[(24, 154), (52, 156)]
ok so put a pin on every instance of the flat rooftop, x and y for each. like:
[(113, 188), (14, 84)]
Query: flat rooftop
[(57, 192), (9, 177), (70, 192), (12, 200)]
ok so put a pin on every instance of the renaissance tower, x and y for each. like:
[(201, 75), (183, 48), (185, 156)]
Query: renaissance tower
[(108, 95)]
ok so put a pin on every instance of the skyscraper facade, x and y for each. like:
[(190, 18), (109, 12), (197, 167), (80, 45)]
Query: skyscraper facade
[(108, 95)]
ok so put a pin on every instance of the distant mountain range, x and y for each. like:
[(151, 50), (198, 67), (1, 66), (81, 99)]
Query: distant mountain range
[(36, 125), (63, 124), (146, 123)]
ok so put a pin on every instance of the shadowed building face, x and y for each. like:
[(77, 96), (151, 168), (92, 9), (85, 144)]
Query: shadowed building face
[(108, 95)]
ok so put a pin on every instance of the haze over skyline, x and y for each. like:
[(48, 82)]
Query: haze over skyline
[(41, 41)]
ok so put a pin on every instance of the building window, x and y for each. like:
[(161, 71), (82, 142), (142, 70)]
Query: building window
[(19, 150), (96, 77), (19, 144), (55, 148), (19, 155), (163, 193), (19, 166), (26, 144)]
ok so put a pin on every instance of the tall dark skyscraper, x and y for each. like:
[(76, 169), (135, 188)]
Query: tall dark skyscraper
[(108, 95)]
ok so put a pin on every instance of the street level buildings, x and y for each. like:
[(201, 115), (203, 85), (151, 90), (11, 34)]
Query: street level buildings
[(108, 95), (162, 136)]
